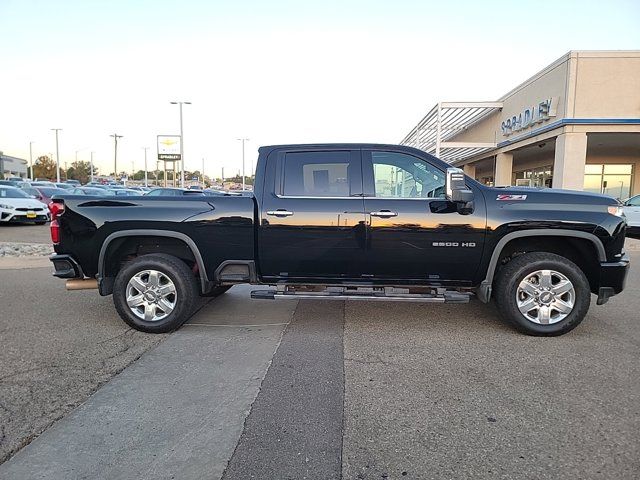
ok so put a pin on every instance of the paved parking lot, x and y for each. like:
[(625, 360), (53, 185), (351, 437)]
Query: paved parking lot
[(25, 233), (268, 389)]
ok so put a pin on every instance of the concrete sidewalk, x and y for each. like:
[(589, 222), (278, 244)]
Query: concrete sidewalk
[(176, 413)]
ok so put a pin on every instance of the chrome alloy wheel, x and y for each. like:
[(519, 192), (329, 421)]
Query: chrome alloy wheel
[(545, 297), (151, 295)]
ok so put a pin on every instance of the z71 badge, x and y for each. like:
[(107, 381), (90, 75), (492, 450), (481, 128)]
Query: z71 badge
[(511, 197)]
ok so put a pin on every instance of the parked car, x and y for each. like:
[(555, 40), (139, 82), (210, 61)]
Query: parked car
[(350, 221), (33, 192), (47, 193), (93, 191), (16, 206), (43, 183), (9, 183), (631, 208), (126, 192), (219, 193), (75, 183), (65, 186), (173, 192)]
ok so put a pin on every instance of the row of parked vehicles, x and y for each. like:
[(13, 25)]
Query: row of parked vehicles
[(26, 201)]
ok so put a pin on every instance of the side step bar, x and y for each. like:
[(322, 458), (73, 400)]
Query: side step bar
[(381, 294)]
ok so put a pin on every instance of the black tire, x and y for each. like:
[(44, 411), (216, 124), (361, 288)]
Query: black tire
[(520, 268), (178, 272), (40, 223)]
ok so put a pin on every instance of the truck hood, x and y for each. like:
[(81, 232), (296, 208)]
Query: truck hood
[(552, 195)]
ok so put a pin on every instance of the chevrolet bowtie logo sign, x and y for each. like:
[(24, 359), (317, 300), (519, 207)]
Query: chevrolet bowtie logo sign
[(169, 147)]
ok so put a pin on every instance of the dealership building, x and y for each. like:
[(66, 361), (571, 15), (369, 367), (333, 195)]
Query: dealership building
[(574, 125)]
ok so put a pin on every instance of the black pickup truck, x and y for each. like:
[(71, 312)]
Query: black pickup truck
[(349, 221)]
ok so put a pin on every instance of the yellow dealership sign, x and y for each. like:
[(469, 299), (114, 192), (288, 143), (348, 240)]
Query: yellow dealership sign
[(169, 147)]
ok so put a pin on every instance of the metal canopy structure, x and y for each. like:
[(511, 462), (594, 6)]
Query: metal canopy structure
[(446, 120)]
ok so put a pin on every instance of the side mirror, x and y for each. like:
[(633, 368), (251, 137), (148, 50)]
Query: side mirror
[(456, 190)]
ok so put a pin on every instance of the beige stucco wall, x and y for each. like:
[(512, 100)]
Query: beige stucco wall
[(607, 85)]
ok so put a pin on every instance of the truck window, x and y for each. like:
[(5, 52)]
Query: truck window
[(317, 174), (398, 175)]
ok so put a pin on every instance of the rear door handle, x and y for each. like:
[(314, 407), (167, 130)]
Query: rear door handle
[(281, 212), (384, 214)]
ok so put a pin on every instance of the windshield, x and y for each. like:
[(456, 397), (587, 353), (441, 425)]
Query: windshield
[(12, 193)]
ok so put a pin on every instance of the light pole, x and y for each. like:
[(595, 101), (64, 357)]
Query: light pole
[(57, 155), (203, 173), (181, 140), (243, 140), (115, 154), (31, 159), (146, 179), (91, 173)]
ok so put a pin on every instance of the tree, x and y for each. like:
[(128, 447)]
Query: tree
[(45, 167), (80, 171)]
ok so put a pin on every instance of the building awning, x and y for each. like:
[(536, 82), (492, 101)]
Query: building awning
[(446, 120)]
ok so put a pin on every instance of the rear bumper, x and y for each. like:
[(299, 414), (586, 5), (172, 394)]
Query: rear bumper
[(66, 267), (613, 277)]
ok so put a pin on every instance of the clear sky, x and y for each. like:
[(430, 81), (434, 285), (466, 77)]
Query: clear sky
[(273, 71)]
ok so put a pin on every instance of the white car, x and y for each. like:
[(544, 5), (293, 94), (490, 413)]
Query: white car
[(16, 206), (631, 209)]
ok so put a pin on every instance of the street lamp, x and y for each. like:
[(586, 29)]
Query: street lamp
[(91, 173), (181, 138), (243, 140), (31, 159), (57, 155), (146, 179), (115, 154)]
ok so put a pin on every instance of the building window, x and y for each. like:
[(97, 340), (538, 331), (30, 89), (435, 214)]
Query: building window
[(536, 177), (612, 179)]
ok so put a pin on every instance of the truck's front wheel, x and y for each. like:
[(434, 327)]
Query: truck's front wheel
[(155, 293), (542, 293)]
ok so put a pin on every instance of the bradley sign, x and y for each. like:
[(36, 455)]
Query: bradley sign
[(530, 116)]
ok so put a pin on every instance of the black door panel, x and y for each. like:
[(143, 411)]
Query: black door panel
[(312, 218), (414, 234)]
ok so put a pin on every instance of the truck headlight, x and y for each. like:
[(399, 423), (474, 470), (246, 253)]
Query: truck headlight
[(616, 210)]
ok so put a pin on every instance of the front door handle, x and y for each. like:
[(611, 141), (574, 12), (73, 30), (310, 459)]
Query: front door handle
[(384, 214), (281, 212)]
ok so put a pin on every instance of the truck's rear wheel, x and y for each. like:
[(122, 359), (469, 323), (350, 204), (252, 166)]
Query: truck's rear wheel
[(155, 293), (542, 293)]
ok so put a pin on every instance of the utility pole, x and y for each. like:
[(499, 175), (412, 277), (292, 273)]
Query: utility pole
[(243, 140), (181, 141), (146, 179), (57, 155), (91, 173), (31, 159), (115, 154)]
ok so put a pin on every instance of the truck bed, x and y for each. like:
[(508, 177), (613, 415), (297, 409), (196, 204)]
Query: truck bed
[(221, 227)]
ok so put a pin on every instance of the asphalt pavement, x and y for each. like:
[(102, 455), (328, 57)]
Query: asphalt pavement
[(58, 348), (268, 389), (25, 233)]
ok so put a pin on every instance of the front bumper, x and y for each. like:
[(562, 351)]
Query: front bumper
[(612, 278), (66, 267), (7, 216)]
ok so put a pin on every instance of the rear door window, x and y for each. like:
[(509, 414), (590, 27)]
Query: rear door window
[(319, 174)]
